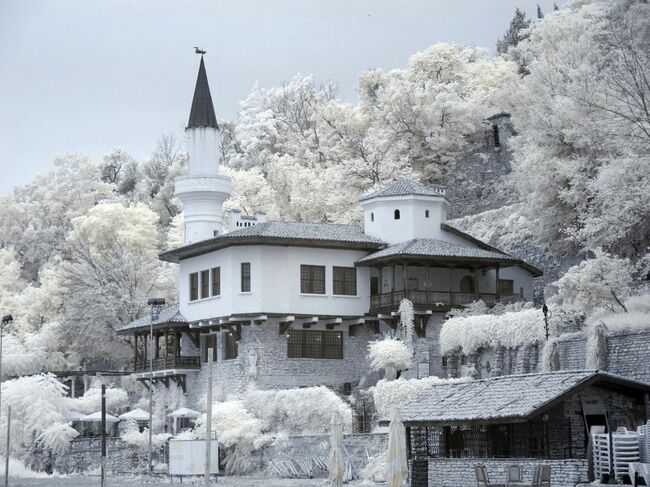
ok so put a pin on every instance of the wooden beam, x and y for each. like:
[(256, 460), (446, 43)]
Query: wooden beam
[(143, 381), (235, 329), (357, 321), (330, 325), (308, 322), (165, 381)]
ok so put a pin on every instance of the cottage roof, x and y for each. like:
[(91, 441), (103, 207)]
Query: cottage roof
[(405, 187), (169, 317), (327, 235), (202, 112), (503, 399)]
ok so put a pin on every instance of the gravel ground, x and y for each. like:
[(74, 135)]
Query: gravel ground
[(91, 481)]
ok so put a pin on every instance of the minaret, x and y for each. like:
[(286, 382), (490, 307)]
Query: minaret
[(203, 190)]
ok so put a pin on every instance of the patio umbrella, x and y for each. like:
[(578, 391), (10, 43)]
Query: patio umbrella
[(184, 413), (396, 463), (336, 465), (136, 415), (74, 416)]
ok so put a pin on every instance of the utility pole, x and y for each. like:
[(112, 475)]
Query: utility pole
[(156, 305), (103, 461), (208, 419), (7, 450)]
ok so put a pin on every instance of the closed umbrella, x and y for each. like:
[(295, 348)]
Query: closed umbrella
[(336, 465), (396, 463)]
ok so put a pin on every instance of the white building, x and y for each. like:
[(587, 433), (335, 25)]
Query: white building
[(289, 304)]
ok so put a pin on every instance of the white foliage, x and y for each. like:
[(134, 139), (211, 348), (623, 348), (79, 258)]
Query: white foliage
[(132, 436), (57, 438), (511, 329), (91, 402), (636, 318), (389, 352)]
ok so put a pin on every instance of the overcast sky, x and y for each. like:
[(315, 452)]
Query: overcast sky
[(80, 75)]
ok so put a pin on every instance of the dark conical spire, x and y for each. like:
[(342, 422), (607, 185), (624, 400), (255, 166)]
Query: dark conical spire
[(202, 113)]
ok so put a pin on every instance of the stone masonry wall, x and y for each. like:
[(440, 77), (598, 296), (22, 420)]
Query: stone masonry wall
[(459, 472), (273, 370), (84, 454), (629, 355), (573, 354)]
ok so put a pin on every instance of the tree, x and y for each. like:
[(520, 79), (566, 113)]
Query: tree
[(599, 282), (582, 156), (517, 31), (111, 270)]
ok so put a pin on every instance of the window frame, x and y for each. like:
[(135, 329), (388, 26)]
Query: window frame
[(194, 286), (204, 284), (344, 281), (510, 284), (397, 215), (315, 344), (245, 277), (310, 282), (215, 272)]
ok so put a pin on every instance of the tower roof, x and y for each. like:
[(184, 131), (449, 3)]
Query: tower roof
[(202, 112), (404, 187)]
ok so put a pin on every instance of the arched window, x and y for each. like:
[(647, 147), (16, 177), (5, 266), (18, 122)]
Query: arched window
[(495, 135), (396, 214), (467, 284), (426, 213), (372, 217)]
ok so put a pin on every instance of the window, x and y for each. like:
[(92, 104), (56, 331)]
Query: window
[(230, 348), (209, 341), (506, 286), (205, 284), (444, 361), (396, 214), (467, 284), (426, 213), (312, 279), (372, 217), (495, 135), (345, 281), (216, 281), (245, 277), (315, 344), (194, 286)]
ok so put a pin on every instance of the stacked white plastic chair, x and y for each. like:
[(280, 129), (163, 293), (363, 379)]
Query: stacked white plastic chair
[(625, 446), (644, 442), (602, 454)]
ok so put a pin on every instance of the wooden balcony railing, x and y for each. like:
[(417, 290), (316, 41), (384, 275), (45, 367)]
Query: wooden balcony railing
[(436, 299), (174, 362)]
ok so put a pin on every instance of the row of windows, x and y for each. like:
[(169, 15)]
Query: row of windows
[(207, 283), (312, 280), (397, 215), (229, 347)]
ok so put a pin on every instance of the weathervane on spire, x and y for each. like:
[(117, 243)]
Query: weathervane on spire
[(199, 51)]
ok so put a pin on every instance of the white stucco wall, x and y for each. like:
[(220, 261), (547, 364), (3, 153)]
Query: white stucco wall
[(275, 282), (412, 223)]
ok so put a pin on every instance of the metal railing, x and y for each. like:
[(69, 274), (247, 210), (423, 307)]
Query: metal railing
[(174, 362), (437, 299)]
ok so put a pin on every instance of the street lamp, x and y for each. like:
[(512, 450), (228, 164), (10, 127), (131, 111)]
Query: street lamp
[(6, 319), (547, 315), (156, 305)]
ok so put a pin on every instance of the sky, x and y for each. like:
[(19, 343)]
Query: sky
[(90, 75)]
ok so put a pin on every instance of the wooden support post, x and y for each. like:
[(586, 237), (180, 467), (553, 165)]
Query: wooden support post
[(208, 419), (103, 433), (476, 293), (497, 296), (405, 278), (427, 285), (392, 286)]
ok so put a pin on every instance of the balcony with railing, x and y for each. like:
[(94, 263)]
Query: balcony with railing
[(436, 299), (168, 363)]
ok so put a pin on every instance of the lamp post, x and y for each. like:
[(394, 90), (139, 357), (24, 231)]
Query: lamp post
[(6, 319), (547, 315), (156, 305)]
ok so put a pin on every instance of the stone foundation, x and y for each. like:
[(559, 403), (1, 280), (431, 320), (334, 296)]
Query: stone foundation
[(459, 472)]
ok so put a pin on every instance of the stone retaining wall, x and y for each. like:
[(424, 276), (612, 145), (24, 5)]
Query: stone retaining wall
[(85, 454), (627, 354), (459, 472)]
